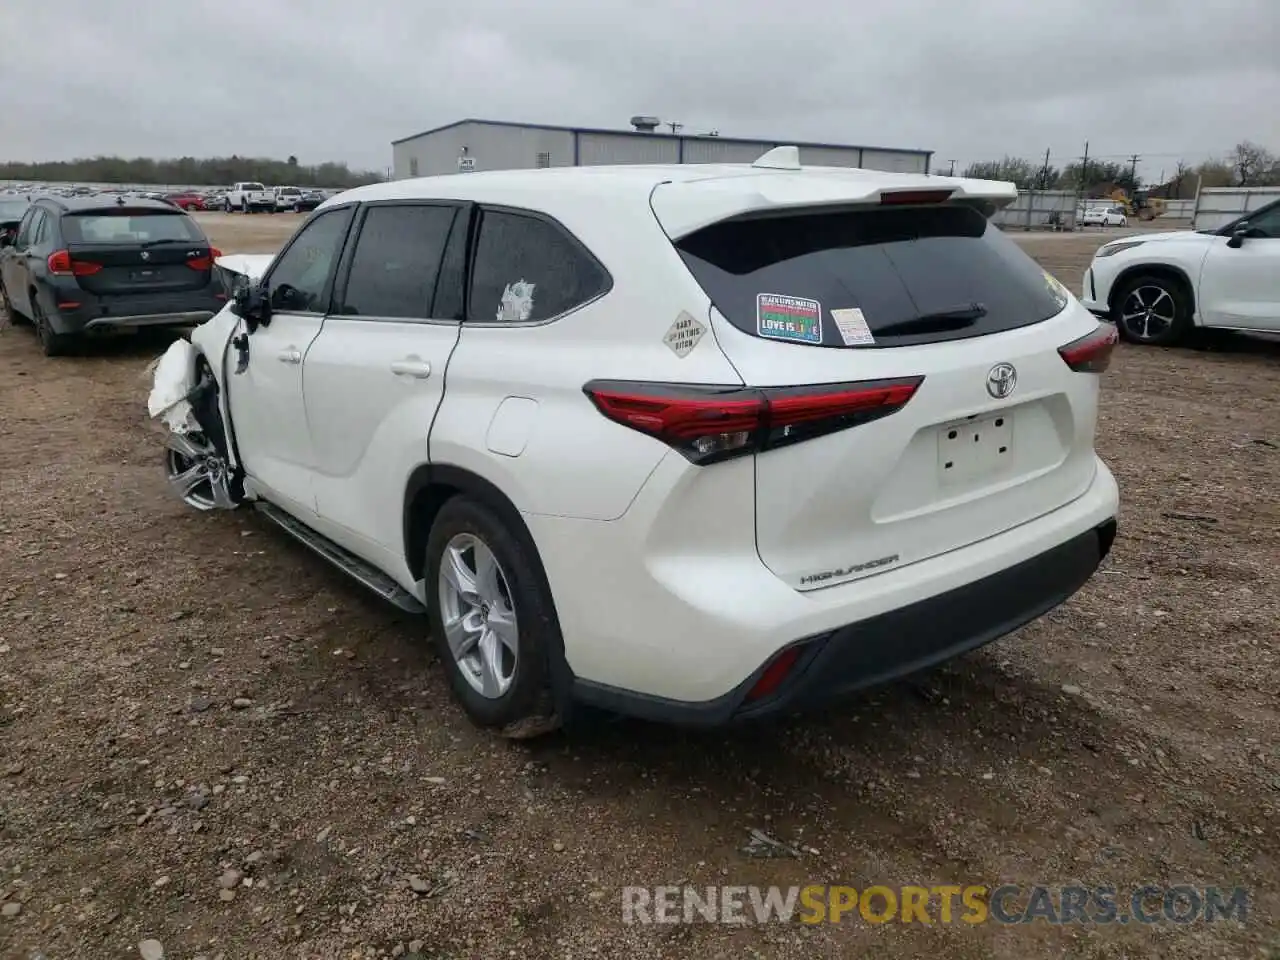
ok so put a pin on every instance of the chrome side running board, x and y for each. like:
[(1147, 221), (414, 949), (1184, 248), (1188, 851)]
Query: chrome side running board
[(347, 562)]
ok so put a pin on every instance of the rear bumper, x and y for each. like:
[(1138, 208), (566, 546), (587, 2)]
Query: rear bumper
[(103, 314), (685, 639), (933, 631), (893, 645), (188, 319)]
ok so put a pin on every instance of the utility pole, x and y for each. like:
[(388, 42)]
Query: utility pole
[(1133, 171), (952, 171), (674, 125), (1084, 172), (1044, 171)]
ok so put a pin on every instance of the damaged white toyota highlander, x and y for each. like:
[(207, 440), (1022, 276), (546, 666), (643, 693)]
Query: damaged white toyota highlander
[(695, 443)]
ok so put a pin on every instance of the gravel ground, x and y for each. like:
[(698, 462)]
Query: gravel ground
[(210, 739)]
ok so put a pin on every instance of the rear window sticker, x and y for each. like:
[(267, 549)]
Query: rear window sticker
[(788, 318), (684, 334), (517, 302), (1056, 289), (852, 326)]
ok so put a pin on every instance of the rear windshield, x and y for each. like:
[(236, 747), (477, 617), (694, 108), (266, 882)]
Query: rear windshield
[(129, 227), (870, 278), (251, 187)]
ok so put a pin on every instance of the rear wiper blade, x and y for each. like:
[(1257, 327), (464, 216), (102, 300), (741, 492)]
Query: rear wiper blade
[(154, 243), (954, 319)]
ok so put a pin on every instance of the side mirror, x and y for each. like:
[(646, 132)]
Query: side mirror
[(1238, 236), (249, 301)]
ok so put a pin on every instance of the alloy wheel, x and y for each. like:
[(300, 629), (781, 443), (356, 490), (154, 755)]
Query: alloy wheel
[(197, 472), (479, 620), (1147, 312)]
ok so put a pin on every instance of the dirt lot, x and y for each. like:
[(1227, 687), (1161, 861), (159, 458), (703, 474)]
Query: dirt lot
[(186, 695)]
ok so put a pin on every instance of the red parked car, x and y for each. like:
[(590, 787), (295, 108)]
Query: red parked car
[(187, 201)]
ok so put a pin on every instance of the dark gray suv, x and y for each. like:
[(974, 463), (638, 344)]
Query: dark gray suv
[(84, 265)]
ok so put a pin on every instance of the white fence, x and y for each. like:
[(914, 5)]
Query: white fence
[(1217, 206), (1038, 210), (1179, 209)]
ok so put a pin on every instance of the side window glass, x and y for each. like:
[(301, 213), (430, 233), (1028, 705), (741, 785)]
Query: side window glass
[(1266, 223), (26, 230), (396, 261), (300, 277), (529, 269), (42, 231)]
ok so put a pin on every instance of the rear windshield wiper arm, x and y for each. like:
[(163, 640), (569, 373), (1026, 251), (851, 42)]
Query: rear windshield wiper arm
[(954, 319)]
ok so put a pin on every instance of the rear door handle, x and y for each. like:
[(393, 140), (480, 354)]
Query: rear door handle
[(419, 369), (290, 355)]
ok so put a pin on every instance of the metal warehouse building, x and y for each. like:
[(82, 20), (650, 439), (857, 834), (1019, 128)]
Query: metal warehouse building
[(497, 145)]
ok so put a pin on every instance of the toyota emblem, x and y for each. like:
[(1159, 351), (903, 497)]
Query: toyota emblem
[(1001, 379)]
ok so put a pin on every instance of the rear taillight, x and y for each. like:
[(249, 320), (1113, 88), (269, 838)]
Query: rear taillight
[(205, 262), (711, 423), (1092, 352), (61, 265)]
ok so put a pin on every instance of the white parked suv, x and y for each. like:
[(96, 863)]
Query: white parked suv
[(1158, 287), (287, 198), (697, 443)]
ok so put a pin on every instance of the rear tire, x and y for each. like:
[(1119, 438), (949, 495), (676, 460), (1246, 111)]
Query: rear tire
[(1152, 310), (492, 620), (53, 344)]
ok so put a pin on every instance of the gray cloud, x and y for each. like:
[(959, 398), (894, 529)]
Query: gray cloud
[(332, 79)]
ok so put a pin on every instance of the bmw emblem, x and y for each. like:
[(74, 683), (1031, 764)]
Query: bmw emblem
[(145, 255), (1001, 379)]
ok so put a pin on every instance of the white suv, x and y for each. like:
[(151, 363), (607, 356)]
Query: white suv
[(1160, 287), (697, 443), (287, 198)]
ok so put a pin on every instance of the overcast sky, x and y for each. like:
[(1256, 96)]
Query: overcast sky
[(338, 80)]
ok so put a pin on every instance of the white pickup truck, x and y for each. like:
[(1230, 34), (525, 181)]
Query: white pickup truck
[(250, 197)]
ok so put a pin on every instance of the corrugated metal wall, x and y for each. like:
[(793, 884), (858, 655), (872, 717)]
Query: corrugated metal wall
[(893, 161), (492, 147), (606, 148), (830, 157), (1217, 206), (730, 151), (506, 147)]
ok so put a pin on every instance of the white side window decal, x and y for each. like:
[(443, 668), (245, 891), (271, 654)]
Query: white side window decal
[(517, 302)]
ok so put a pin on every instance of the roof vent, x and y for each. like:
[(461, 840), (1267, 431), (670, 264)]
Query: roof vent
[(645, 124), (780, 158)]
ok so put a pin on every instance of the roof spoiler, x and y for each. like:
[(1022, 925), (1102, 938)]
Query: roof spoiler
[(777, 181)]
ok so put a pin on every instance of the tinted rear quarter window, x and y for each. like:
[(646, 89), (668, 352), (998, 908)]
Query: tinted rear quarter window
[(893, 265), (396, 261), (129, 227), (527, 268)]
